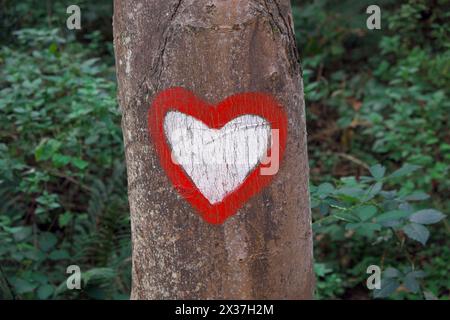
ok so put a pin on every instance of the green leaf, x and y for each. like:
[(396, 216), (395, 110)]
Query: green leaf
[(97, 274), (392, 216), (45, 291), (64, 219), (411, 283), (314, 203), (417, 232), (364, 228), (88, 66), (417, 274), (46, 149), (321, 269), (428, 295), (348, 217), (23, 286), (34, 254), (47, 241), (324, 189), (353, 192), (324, 208), (79, 163), (366, 212), (404, 170), (369, 227), (21, 233), (372, 191), (377, 171), (417, 196), (391, 273), (60, 160), (92, 139), (388, 286), (40, 278), (59, 255), (427, 216)]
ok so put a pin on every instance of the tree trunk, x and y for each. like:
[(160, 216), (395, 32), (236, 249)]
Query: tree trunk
[(215, 49)]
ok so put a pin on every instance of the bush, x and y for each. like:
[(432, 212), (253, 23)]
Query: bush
[(376, 97), (357, 214), (62, 191)]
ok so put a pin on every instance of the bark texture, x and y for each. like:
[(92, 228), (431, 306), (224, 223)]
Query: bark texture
[(214, 48)]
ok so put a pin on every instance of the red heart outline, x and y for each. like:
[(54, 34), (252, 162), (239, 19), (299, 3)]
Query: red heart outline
[(214, 116)]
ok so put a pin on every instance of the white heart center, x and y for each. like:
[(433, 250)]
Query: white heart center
[(217, 160)]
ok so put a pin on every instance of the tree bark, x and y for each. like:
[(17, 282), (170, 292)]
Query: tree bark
[(214, 48)]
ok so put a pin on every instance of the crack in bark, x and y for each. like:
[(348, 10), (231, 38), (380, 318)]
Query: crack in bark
[(289, 29), (286, 30), (159, 65), (157, 68), (269, 12)]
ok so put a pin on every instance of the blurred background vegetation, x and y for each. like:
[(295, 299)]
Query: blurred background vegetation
[(377, 109)]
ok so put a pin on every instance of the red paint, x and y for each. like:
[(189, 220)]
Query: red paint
[(214, 116)]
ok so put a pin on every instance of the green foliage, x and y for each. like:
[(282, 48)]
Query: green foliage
[(377, 97), (62, 182), (329, 283), (387, 93), (362, 211)]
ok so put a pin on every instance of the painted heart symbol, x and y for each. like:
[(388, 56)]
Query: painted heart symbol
[(217, 156)]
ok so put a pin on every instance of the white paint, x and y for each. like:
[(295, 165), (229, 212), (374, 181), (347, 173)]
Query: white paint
[(217, 160)]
